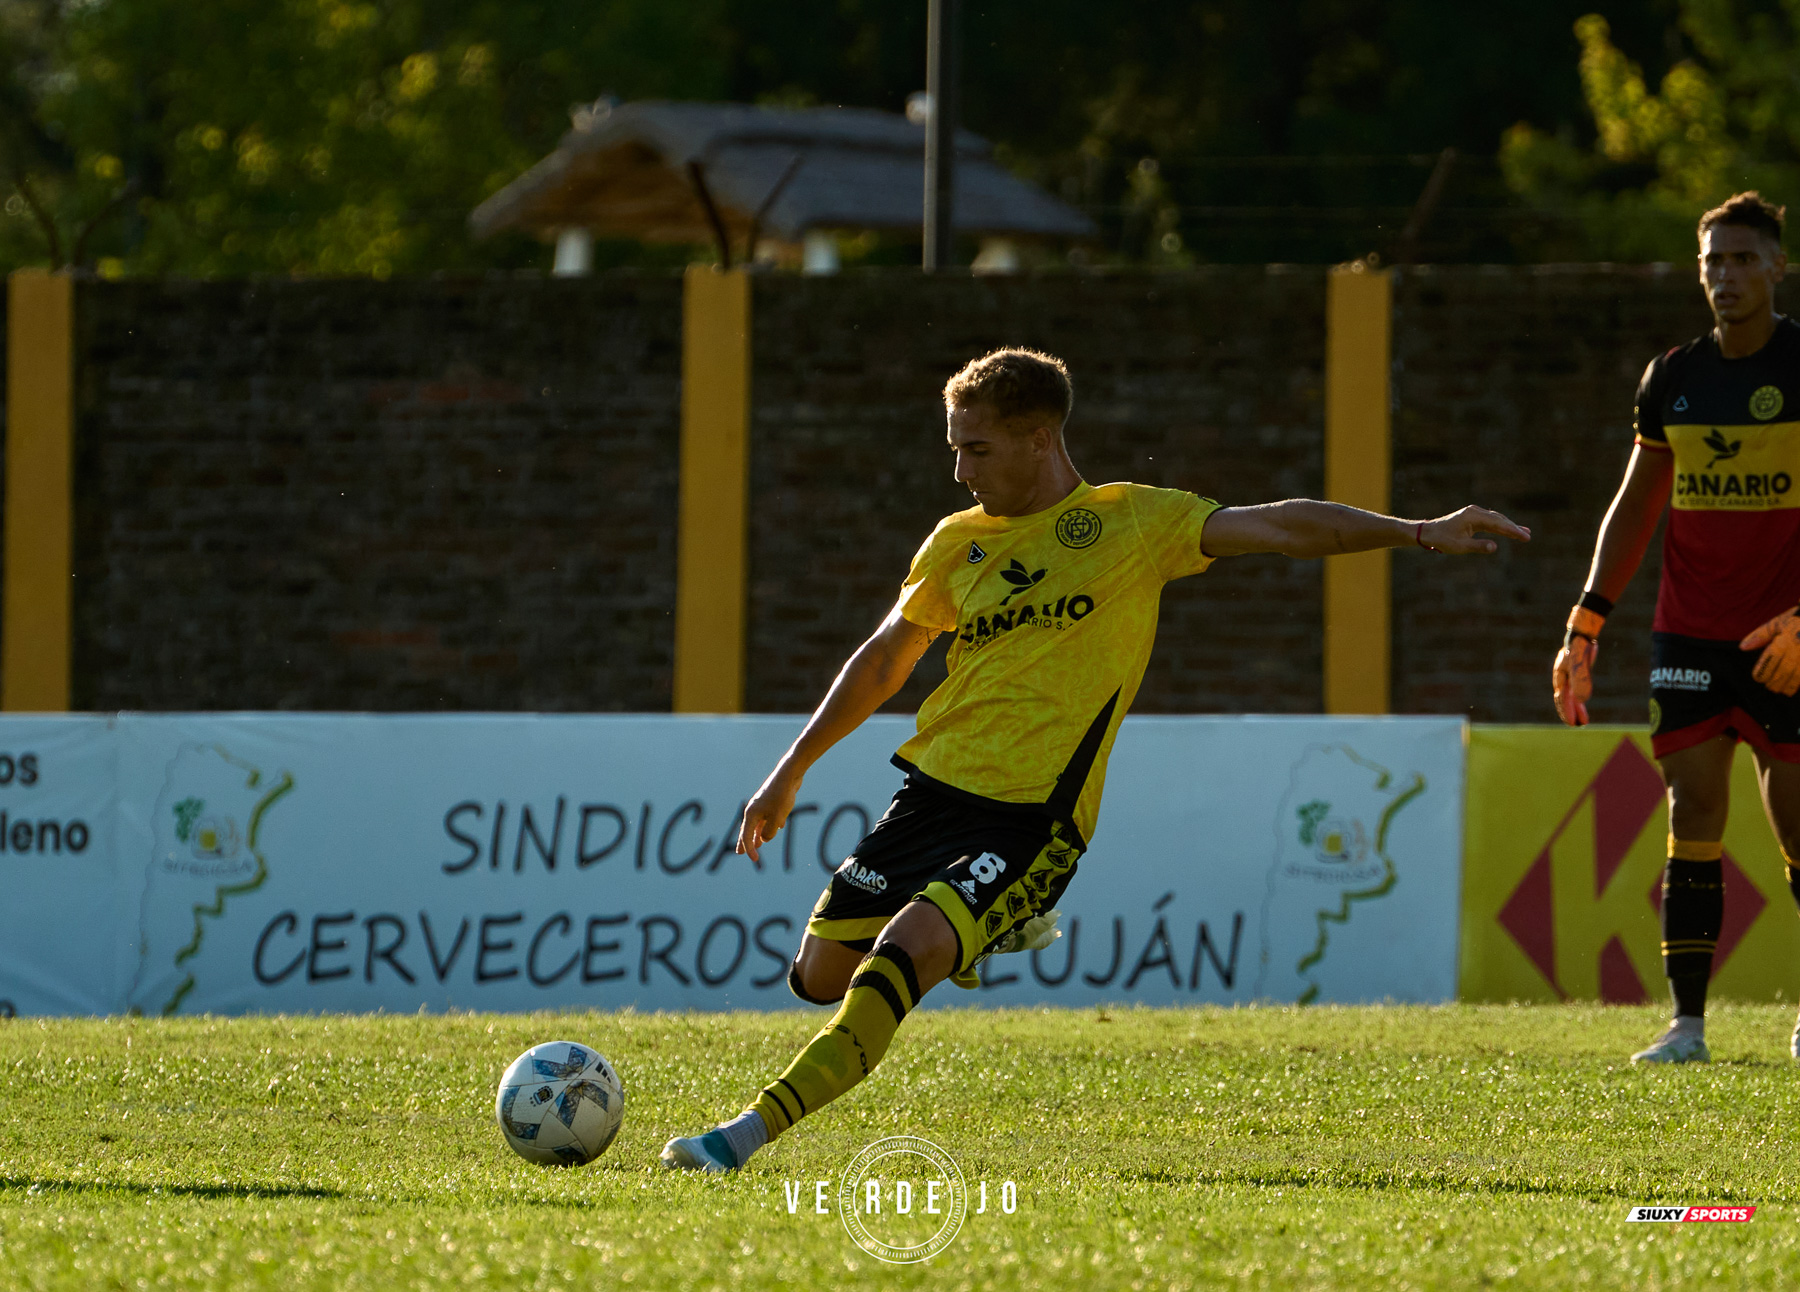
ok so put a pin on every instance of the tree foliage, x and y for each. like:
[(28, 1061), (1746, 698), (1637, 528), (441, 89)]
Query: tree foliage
[(354, 136), (1726, 117), (302, 136)]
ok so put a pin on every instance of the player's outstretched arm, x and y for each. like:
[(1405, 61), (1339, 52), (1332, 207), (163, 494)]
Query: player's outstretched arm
[(868, 680), (1303, 528), (1624, 537)]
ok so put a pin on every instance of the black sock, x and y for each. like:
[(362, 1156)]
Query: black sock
[(1794, 883), (1693, 908)]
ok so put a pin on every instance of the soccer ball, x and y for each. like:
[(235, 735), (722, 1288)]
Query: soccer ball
[(560, 1104)]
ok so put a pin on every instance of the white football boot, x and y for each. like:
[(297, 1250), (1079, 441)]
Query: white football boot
[(709, 1153), (1677, 1045), (1794, 1041)]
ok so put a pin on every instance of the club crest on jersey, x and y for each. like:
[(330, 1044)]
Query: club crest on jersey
[(1765, 403), (976, 555), (1078, 527)]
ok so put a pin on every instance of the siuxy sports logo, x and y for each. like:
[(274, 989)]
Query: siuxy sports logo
[(1682, 1213), (976, 555)]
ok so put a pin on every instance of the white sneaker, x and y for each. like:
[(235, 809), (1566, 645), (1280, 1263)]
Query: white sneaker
[(1794, 1042), (709, 1153), (1675, 1046)]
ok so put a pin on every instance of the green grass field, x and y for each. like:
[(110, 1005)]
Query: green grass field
[(1448, 1147)]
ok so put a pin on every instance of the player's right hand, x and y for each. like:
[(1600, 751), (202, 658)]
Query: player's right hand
[(1778, 668), (1572, 676), (766, 812)]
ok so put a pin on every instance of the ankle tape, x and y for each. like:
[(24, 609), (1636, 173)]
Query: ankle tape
[(1694, 850)]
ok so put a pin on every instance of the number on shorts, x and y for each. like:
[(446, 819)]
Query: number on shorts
[(987, 868)]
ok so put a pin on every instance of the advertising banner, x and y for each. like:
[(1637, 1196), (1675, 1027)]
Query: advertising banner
[(1567, 836), (269, 862)]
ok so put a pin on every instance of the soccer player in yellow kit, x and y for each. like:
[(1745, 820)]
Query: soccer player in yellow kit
[(1051, 587)]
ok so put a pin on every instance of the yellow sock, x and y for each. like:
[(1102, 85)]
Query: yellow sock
[(882, 991)]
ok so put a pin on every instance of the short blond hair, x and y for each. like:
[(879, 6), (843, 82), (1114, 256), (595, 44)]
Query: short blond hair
[(1014, 382)]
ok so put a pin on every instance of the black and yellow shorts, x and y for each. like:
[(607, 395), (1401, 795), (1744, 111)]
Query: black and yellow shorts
[(987, 866), (1700, 689)]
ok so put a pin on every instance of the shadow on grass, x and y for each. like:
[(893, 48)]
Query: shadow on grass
[(1433, 1183), (259, 1192)]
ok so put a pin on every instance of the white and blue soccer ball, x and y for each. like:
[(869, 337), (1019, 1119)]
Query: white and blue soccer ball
[(560, 1104)]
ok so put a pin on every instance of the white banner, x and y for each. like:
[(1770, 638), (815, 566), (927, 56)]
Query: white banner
[(269, 862)]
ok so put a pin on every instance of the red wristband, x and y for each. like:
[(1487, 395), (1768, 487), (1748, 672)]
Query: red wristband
[(1419, 538)]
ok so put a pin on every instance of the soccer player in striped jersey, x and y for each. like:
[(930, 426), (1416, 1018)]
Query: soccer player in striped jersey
[(1718, 436), (1050, 587)]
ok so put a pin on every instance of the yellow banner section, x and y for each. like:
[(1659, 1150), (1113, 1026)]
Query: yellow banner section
[(1565, 836), (1735, 468)]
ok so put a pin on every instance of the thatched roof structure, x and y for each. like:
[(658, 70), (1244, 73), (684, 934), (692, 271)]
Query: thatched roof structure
[(652, 170)]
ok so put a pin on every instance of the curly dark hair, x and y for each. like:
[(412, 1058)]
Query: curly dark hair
[(1014, 382), (1746, 211)]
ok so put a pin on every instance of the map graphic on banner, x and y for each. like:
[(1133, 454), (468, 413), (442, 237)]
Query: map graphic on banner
[(205, 826), (1330, 855)]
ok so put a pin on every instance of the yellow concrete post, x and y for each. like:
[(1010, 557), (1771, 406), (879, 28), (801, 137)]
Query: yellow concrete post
[(1358, 471), (712, 557), (39, 543)]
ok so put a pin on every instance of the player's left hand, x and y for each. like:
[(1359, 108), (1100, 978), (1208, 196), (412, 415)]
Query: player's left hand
[(1779, 640), (1460, 533)]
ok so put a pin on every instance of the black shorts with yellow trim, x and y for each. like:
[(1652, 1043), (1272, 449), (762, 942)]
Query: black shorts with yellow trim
[(1700, 689), (987, 866)]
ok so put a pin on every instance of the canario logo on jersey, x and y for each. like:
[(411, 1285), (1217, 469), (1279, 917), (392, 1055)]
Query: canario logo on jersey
[(854, 872), (1735, 468), (1680, 679), (1059, 614), (1022, 579), (1722, 448)]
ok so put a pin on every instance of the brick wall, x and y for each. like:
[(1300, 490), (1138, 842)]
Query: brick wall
[(1513, 389), (392, 496), (1208, 381), (461, 494)]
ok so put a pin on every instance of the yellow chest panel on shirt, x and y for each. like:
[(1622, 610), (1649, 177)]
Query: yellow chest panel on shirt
[(1736, 468), (1046, 580)]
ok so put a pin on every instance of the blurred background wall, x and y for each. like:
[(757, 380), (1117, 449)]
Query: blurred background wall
[(456, 495)]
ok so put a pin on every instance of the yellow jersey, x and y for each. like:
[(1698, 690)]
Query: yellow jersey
[(1054, 615)]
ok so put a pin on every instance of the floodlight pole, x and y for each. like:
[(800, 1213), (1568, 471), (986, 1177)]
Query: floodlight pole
[(940, 132)]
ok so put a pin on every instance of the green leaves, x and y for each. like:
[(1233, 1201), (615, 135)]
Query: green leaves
[(1724, 120), (304, 136)]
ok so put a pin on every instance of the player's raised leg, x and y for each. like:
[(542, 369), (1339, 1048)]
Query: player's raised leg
[(1693, 893)]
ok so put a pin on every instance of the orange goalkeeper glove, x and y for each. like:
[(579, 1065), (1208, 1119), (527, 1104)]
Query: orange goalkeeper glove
[(1779, 666), (1572, 676)]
